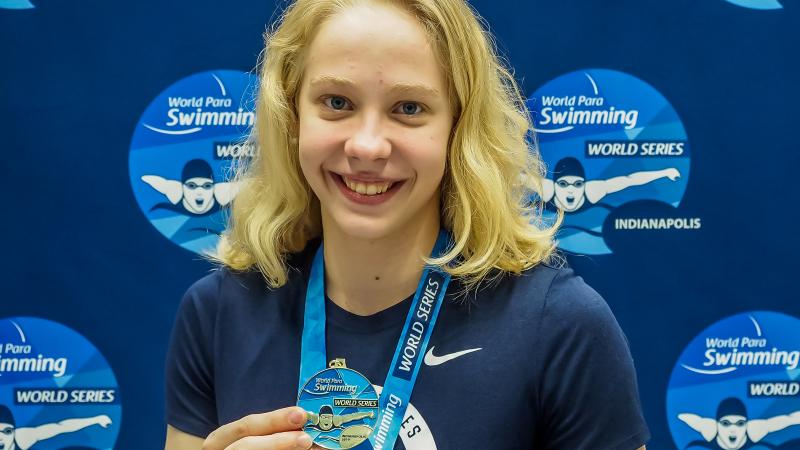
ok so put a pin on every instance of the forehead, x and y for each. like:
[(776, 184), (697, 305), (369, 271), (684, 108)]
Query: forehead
[(373, 43)]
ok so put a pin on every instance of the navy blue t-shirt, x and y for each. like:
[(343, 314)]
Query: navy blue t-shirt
[(535, 361)]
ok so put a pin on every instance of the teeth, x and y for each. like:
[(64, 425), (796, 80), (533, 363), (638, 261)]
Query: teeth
[(367, 188)]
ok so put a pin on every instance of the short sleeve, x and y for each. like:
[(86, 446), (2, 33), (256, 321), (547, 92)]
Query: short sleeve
[(190, 400), (588, 390)]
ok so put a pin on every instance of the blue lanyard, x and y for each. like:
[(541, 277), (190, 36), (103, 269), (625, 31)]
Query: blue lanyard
[(407, 356)]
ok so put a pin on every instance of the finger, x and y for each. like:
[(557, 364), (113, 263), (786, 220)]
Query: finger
[(286, 419), (288, 440)]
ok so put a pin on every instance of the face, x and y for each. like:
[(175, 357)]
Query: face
[(198, 194), (325, 421), (374, 122), (732, 431), (569, 191), (7, 436)]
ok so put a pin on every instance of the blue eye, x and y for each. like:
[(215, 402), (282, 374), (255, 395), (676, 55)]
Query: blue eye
[(410, 108), (336, 102)]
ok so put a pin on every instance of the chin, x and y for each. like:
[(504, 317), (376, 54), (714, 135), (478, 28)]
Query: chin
[(364, 229), (363, 226)]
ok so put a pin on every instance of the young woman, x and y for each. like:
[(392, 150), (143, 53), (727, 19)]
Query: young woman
[(388, 129)]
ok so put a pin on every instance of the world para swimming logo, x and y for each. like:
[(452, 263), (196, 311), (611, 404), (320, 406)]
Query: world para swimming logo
[(56, 390), (757, 4), (617, 155), (182, 153), (737, 385)]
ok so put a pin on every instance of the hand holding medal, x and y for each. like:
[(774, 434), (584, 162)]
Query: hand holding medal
[(274, 430), (342, 407)]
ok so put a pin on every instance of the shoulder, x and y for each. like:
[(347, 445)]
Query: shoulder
[(559, 302), (569, 297), (541, 304), (550, 289), (573, 309), (207, 292), (575, 329), (224, 289)]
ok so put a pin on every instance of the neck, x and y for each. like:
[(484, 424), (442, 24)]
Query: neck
[(365, 276)]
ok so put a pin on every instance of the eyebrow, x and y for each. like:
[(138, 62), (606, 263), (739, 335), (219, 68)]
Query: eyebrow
[(400, 87)]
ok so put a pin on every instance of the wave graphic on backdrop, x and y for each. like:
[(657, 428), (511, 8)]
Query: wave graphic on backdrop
[(181, 155), (617, 156), (16, 4), (757, 4)]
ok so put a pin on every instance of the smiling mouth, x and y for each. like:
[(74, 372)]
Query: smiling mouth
[(368, 188), (570, 199), (199, 202), (369, 192)]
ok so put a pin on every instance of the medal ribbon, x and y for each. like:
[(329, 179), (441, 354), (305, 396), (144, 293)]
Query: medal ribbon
[(410, 349)]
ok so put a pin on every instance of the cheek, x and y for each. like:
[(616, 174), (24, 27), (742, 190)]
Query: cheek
[(428, 153), (429, 165), (317, 140), (310, 155), (310, 167)]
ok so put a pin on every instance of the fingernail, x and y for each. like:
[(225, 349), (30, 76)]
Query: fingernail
[(297, 417), (304, 441)]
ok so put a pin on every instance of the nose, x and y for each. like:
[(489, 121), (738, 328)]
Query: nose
[(369, 142)]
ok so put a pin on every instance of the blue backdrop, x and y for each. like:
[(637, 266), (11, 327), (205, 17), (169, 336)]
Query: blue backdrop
[(78, 76)]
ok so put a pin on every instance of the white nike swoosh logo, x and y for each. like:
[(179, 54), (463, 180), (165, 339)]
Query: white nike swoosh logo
[(433, 360)]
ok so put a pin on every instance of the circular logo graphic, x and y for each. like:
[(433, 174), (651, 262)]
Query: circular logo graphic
[(182, 150), (757, 4), (342, 406), (617, 157), (56, 390), (737, 385)]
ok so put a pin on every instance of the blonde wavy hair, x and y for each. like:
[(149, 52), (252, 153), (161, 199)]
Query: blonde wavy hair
[(493, 170)]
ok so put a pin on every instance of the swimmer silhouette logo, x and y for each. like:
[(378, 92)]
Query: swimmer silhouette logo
[(56, 390), (617, 157), (182, 151), (736, 385)]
